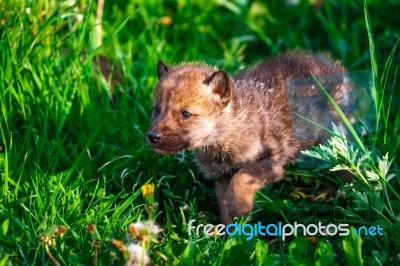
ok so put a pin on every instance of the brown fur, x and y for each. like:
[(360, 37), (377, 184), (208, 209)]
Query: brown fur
[(244, 129)]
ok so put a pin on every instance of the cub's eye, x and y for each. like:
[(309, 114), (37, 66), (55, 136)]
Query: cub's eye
[(186, 114), (156, 110)]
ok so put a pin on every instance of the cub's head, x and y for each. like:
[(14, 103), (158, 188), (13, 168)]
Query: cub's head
[(189, 102)]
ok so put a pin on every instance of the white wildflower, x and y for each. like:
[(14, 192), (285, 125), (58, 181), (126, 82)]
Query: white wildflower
[(137, 256), (153, 228), (136, 229), (144, 231)]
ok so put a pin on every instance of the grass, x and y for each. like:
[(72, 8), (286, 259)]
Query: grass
[(72, 146)]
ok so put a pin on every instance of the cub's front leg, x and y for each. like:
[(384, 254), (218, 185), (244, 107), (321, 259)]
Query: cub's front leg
[(236, 198)]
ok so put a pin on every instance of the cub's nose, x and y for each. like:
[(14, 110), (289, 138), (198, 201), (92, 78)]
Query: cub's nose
[(154, 136)]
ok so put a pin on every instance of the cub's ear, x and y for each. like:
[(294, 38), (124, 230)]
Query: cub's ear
[(162, 68), (220, 84)]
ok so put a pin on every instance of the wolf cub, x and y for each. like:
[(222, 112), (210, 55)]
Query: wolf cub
[(244, 129)]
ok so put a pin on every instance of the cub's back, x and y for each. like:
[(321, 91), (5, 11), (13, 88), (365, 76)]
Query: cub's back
[(288, 92)]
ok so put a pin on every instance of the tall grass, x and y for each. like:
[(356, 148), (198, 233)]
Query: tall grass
[(72, 146)]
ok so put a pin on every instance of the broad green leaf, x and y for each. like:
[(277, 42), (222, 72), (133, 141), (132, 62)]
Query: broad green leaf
[(324, 253), (298, 251), (4, 227), (261, 252), (352, 249)]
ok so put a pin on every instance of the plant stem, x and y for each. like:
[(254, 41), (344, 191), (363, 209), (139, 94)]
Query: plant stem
[(51, 255), (96, 254)]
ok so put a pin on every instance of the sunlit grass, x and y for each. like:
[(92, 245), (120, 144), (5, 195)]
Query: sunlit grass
[(72, 146)]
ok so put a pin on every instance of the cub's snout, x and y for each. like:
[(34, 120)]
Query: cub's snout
[(154, 136), (166, 140)]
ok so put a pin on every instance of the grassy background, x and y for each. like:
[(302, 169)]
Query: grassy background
[(72, 146)]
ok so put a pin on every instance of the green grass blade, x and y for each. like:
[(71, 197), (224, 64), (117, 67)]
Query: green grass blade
[(342, 116), (375, 74), (385, 77)]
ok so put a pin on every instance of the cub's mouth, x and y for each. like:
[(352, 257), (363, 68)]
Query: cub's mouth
[(166, 143), (168, 149)]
